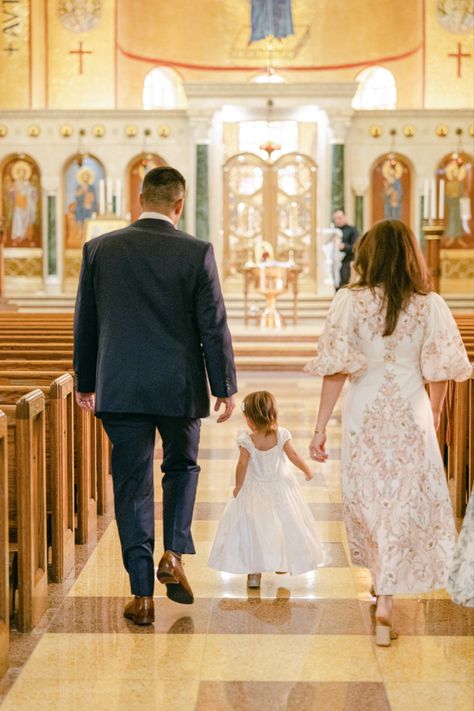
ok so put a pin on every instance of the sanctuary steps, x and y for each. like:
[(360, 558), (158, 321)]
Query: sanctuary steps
[(310, 306)]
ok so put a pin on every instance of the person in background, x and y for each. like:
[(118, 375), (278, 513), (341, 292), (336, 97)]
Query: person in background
[(349, 238)]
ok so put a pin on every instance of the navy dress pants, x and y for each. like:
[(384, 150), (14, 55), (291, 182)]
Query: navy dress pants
[(133, 445)]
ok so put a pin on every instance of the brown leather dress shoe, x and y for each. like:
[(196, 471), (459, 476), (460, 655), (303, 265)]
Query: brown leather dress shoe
[(171, 573), (141, 610)]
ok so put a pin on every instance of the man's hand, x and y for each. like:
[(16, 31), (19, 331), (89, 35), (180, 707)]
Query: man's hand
[(229, 407), (86, 401)]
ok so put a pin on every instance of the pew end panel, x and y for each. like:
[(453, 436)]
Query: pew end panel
[(4, 548)]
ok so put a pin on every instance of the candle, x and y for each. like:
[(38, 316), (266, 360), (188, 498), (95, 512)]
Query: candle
[(441, 200), (433, 200), (425, 200), (101, 197), (118, 197), (109, 195)]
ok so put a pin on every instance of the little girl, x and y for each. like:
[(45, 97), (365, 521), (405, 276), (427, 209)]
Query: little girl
[(267, 526)]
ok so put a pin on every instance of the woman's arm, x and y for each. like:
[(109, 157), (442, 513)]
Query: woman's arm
[(298, 461), (241, 469), (332, 386), (437, 395)]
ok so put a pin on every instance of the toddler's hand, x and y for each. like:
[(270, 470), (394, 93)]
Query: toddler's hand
[(308, 476), (235, 492)]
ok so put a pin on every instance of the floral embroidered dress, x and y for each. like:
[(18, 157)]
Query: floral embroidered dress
[(461, 578), (397, 509)]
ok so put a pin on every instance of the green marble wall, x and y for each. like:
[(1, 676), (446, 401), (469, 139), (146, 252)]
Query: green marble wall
[(337, 176), (359, 213), (52, 237), (202, 191)]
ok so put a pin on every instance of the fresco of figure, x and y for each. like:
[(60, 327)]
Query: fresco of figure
[(392, 171), (23, 199)]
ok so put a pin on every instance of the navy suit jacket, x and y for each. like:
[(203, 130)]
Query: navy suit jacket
[(150, 321)]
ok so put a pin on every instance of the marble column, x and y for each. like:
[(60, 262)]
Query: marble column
[(337, 176), (360, 188), (339, 125), (197, 212), (202, 191), (52, 236)]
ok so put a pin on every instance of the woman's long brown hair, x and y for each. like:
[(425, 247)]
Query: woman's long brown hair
[(388, 256)]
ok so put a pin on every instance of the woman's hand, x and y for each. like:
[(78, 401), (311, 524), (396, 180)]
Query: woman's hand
[(317, 447)]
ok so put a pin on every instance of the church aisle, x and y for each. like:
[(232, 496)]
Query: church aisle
[(302, 643)]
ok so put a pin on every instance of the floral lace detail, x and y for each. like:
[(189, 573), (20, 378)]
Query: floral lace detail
[(338, 348), (397, 510), (369, 310), (443, 355)]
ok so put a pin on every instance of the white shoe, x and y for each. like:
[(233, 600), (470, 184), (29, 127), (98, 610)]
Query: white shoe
[(253, 580)]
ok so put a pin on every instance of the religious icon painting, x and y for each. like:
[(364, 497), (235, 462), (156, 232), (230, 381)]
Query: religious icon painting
[(456, 169), (391, 188), (79, 15), (82, 176), (138, 168), (21, 201)]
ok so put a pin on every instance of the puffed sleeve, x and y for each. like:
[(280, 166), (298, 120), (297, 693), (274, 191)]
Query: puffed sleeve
[(243, 440), (284, 435), (338, 349), (443, 355)]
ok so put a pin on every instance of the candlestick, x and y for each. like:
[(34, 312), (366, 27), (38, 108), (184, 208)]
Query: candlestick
[(101, 197), (425, 200), (433, 200), (441, 200), (118, 197), (109, 195)]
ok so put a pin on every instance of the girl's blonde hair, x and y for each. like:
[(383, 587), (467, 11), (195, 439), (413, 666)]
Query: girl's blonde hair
[(260, 408)]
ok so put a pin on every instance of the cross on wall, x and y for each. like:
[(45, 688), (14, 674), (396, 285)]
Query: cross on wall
[(459, 55), (81, 52)]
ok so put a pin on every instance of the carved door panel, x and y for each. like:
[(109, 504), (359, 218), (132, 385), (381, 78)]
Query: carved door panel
[(271, 203)]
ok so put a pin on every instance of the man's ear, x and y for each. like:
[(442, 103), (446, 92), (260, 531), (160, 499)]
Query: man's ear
[(178, 206), (140, 199)]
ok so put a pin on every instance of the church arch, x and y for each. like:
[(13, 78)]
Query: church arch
[(377, 89), (136, 170), (82, 174), (457, 170), (163, 89), (21, 201), (391, 178), (272, 202)]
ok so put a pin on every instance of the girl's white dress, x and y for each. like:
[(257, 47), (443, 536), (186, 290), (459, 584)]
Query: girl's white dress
[(269, 526), (461, 578)]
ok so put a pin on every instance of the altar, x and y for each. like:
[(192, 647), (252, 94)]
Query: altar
[(271, 278)]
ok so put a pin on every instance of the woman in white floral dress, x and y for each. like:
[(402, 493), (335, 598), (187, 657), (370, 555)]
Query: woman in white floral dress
[(390, 334)]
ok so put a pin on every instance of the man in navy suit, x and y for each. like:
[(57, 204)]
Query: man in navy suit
[(150, 330)]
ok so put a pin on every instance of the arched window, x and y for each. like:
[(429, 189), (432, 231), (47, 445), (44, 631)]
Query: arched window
[(163, 89), (376, 90)]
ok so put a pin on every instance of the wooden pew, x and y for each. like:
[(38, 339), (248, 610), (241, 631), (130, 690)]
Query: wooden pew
[(85, 457), (59, 432), (4, 548), (27, 505)]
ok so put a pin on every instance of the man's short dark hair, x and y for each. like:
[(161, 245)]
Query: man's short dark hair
[(339, 209), (163, 186)]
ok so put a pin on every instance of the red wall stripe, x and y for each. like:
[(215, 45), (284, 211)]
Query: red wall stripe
[(310, 68)]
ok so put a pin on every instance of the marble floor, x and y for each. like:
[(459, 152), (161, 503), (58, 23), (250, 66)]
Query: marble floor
[(301, 643)]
